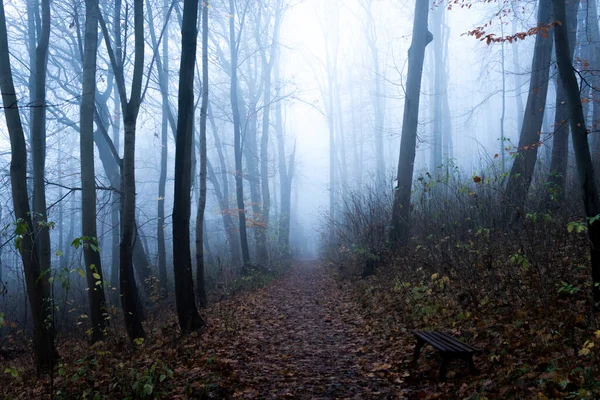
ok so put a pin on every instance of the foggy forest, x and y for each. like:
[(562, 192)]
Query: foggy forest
[(312, 199)]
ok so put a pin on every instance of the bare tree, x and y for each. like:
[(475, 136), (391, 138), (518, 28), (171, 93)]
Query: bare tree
[(560, 142), (38, 141), (189, 319), (201, 287), (91, 249), (234, 42), (130, 302), (585, 167), (522, 169), (36, 275), (421, 37)]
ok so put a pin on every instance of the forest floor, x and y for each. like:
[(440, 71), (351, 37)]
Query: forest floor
[(310, 335), (300, 336)]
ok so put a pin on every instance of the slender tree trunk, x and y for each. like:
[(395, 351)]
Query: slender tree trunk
[(130, 301), (253, 175), (38, 145), (200, 228), (91, 249), (518, 79), (164, 154), (267, 66), (560, 142), (223, 195), (421, 37), (523, 167), (116, 197), (38, 288), (377, 95), (111, 167), (332, 157), (585, 167), (592, 40), (439, 68), (239, 179), (189, 319)]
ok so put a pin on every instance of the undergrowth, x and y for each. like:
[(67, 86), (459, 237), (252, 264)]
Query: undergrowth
[(516, 284)]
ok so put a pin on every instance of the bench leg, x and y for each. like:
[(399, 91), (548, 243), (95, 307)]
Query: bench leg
[(472, 369), (444, 367), (418, 347)]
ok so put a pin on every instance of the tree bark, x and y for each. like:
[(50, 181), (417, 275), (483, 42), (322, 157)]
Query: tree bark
[(38, 288), (132, 307), (239, 178), (523, 167), (200, 228), (592, 42), (421, 37), (585, 167), (164, 154), (116, 196), (560, 142), (189, 319), (91, 249), (38, 144)]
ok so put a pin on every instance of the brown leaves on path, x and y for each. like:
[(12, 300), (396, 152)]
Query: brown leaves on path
[(302, 338)]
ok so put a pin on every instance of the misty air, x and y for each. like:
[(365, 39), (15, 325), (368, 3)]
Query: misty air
[(306, 199)]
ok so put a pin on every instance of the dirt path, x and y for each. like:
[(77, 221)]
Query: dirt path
[(300, 338)]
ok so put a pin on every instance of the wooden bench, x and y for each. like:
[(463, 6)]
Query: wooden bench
[(450, 348)]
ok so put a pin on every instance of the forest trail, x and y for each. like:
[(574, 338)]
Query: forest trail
[(302, 338)]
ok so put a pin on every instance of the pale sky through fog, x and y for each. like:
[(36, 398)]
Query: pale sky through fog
[(473, 70)]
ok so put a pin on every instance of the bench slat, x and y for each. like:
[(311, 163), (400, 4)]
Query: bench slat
[(465, 345), (459, 346), (444, 342), (451, 347), (425, 336)]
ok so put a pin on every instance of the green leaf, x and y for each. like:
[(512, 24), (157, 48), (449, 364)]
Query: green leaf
[(21, 228), (59, 253), (148, 388), (96, 276), (12, 371), (81, 272), (162, 378)]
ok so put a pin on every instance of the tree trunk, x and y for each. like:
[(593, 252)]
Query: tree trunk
[(132, 307), (116, 197), (200, 228), (416, 54), (592, 41), (91, 249), (239, 173), (560, 142), (585, 167), (164, 154), (130, 299), (523, 167), (377, 94), (439, 89), (189, 319), (517, 75), (38, 145), (38, 288), (223, 195)]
